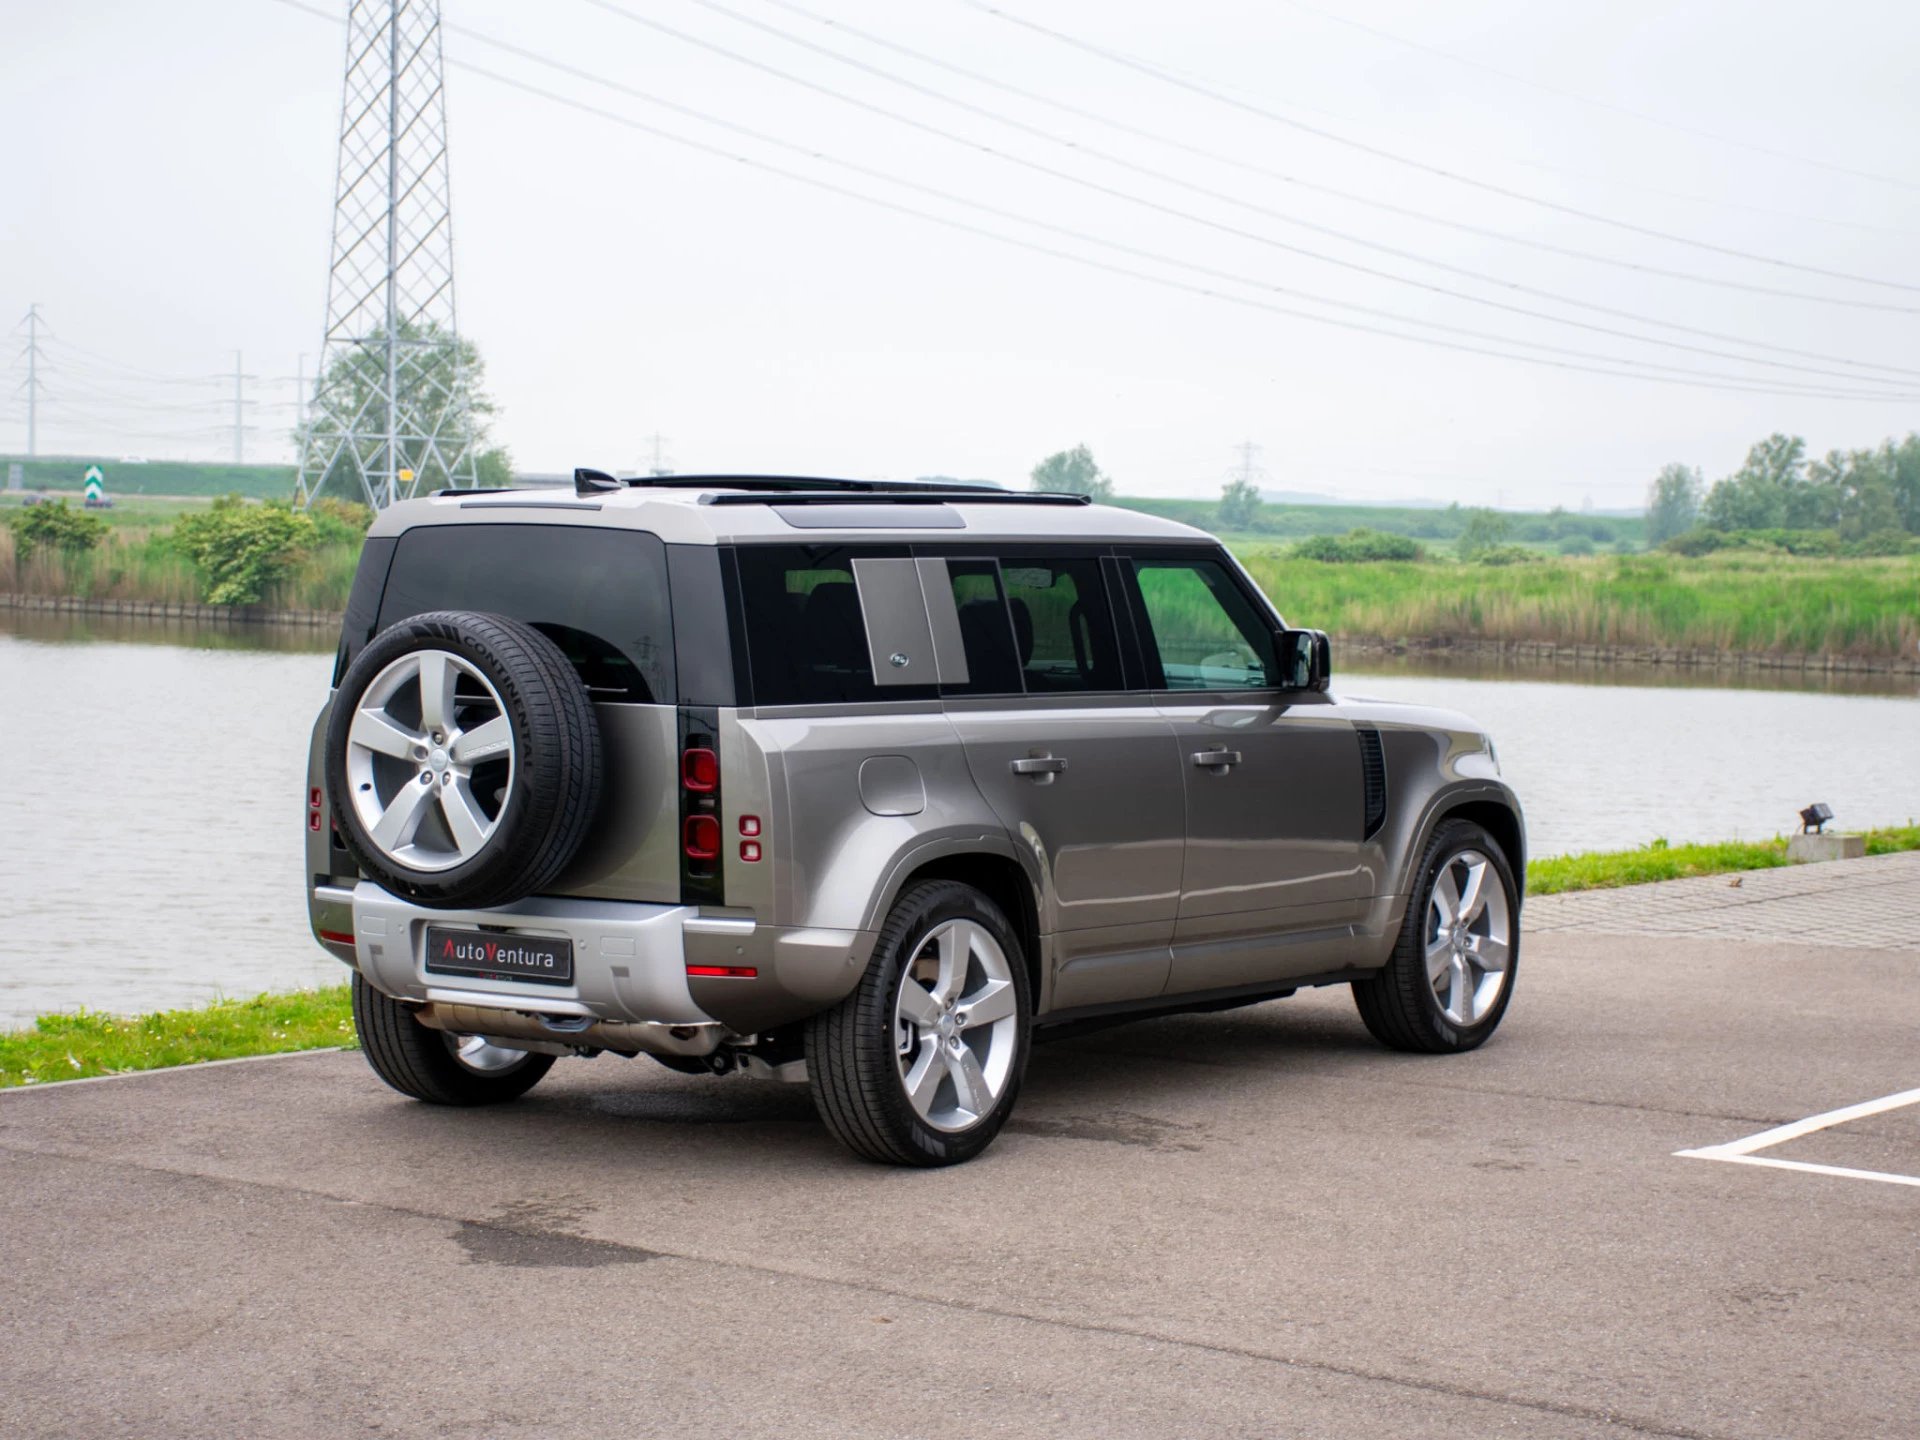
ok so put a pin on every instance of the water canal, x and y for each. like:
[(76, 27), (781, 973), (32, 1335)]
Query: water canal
[(152, 783)]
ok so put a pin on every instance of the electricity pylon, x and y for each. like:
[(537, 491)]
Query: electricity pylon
[(392, 409)]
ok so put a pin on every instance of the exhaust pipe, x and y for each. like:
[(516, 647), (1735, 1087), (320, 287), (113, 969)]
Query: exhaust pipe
[(647, 1037)]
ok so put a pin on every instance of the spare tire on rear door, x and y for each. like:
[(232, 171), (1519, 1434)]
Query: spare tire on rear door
[(462, 760)]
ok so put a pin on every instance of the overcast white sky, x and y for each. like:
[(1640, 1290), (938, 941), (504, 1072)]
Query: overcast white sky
[(167, 180)]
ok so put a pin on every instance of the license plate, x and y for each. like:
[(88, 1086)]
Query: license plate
[(492, 955)]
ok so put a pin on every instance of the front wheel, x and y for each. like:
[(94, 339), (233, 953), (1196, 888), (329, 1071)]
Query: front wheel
[(921, 1063), (434, 1065), (1450, 977)]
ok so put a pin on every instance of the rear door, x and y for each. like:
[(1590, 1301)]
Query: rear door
[(1273, 877), (1081, 769)]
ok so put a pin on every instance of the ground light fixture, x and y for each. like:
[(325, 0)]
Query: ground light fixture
[(1813, 819)]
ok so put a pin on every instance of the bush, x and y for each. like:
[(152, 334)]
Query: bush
[(339, 521), (1504, 555), (1577, 545), (1359, 546), (241, 551), (57, 526)]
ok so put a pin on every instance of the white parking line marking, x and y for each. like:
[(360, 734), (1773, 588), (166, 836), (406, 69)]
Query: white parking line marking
[(1741, 1152)]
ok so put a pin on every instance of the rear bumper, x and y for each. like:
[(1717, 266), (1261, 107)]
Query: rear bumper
[(630, 987)]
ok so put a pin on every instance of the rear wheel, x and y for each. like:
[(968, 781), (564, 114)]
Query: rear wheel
[(1451, 974), (920, 1065), (434, 1065)]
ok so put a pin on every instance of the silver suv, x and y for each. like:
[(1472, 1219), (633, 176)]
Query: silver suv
[(866, 785)]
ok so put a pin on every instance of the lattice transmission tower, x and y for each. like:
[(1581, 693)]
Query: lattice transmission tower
[(392, 409)]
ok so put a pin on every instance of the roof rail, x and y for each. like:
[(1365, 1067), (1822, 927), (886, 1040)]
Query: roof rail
[(778, 483), (897, 496)]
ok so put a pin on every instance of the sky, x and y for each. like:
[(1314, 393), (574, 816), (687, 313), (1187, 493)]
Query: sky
[(168, 186)]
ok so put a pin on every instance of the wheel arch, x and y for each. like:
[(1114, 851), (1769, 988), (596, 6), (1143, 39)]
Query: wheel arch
[(1500, 821), (1003, 880)]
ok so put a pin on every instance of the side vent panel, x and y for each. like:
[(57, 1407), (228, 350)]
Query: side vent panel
[(1373, 772)]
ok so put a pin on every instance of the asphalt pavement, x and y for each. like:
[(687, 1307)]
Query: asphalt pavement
[(1254, 1223)]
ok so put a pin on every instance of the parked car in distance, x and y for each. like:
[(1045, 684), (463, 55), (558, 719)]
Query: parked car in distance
[(866, 785)]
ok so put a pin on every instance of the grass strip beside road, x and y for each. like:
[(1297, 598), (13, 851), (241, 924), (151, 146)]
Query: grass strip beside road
[(74, 1047), (1606, 870)]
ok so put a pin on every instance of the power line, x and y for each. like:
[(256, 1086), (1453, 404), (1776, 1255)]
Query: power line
[(1617, 108), (1212, 93), (1636, 370), (1225, 228), (1696, 379), (1253, 168), (1137, 252)]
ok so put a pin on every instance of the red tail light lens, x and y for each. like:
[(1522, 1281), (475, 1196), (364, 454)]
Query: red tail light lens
[(729, 972), (699, 770), (749, 849), (749, 824), (700, 837)]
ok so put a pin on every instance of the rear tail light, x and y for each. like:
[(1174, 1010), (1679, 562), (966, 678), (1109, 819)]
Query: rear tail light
[(749, 824), (700, 837), (730, 972), (313, 808), (749, 849), (700, 770)]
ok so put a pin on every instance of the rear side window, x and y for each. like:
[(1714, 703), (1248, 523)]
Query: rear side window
[(806, 634), (1062, 626), (600, 595)]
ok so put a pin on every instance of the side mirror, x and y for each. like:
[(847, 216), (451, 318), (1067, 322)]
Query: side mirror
[(1305, 659)]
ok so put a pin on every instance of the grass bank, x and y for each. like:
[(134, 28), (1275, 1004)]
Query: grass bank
[(1606, 870), (1779, 604), (73, 1047), (138, 562)]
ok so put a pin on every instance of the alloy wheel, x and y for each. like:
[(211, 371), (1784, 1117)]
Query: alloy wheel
[(1469, 937), (430, 760), (480, 1054), (956, 1025)]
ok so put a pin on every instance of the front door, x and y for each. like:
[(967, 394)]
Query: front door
[(1084, 774), (1273, 877)]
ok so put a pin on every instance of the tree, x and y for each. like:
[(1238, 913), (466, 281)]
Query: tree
[(243, 550), (1768, 492), (1486, 531), (57, 526), (1072, 472), (1239, 504), (445, 415), (1673, 503)]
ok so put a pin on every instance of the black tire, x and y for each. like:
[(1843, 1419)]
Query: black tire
[(851, 1049), (417, 1060), (1398, 1003), (555, 789)]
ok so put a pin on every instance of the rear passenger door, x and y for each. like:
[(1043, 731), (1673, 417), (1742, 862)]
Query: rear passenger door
[(1081, 769), (1273, 876)]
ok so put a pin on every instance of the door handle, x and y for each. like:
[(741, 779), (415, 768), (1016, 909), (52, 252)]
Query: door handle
[(1218, 761), (1043, 766)]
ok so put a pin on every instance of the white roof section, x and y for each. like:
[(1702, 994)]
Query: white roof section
[(686, 514)]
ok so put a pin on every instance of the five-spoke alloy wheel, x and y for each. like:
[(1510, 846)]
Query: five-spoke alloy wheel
[(920, 1065), (1448, 981), (957, 1025), (463, 760)]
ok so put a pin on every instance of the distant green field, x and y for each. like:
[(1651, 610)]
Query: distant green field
[(1732, 601), (155, 477), (1436, 528)]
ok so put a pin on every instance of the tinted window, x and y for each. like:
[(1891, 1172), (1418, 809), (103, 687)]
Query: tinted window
[(600, 595), (806, 637), (985, 630), (1062, 627), (1207, 633)]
